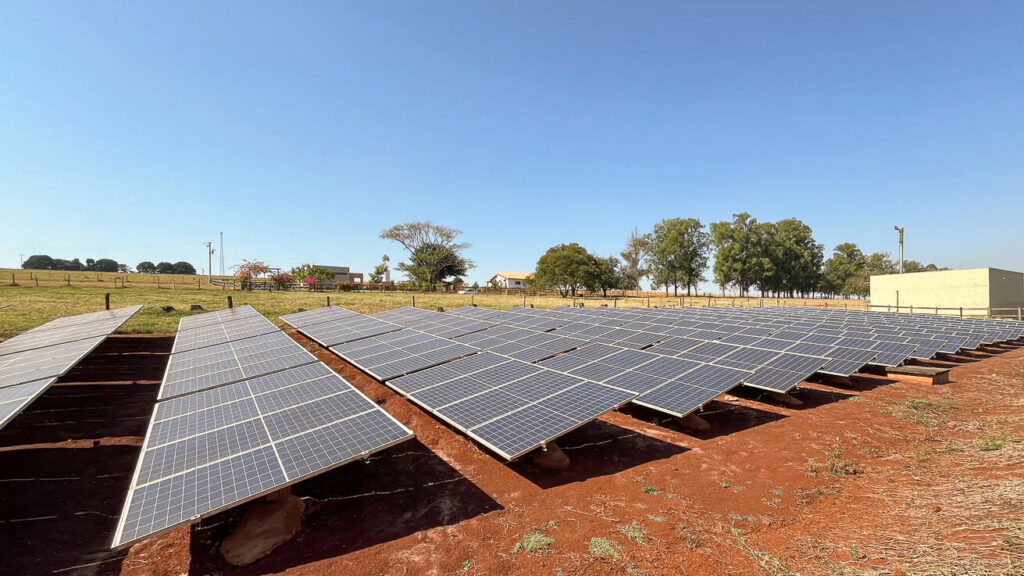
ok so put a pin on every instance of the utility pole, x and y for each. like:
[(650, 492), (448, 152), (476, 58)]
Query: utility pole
[(900, 230), (221, 253), (209, 254)]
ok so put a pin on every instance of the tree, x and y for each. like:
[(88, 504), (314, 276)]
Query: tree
[(165, 268), (795, 258), (377, 276), (567, 268), (843, 271), (633, 256), (679, 251), (312, 276), (248, 270), (734, 252), (89, 262), (184, 268), (434, 255), (146, 267), (608, 275), (38, 262), (104, 265), (124, 269)]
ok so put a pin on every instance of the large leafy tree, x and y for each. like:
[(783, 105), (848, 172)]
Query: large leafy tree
[(146, 267), (736, 261), (377, 276), (633, 255), (164, 268), (183, 268), (608, 274), (795, 258), (679, 252), (843, 272), (567, 268), (38, 262), (105, 265), (434, 253)]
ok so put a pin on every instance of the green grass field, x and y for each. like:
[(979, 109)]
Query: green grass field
[(29, 306)]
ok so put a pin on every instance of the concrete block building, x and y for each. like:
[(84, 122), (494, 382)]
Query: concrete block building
[(976, 288)]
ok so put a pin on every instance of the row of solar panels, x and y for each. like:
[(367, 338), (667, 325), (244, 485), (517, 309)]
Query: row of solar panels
[(463, 366), (507, 404), (243, 410), (30, 362)]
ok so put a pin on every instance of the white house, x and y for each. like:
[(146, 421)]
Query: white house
[(508, 280)]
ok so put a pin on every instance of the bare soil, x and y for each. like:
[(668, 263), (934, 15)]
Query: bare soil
[(872, 476)]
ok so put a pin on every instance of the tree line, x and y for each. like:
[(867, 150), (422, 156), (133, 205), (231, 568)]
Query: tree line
[(770, 258), (44, 262)]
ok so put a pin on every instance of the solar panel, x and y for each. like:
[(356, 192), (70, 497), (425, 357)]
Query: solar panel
[(846, 361), (785, 372), (14, 399), (214, 449)]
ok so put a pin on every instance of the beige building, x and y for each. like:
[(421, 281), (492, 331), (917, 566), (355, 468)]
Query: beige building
[(974, 288)]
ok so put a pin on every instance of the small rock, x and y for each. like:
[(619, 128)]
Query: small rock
[(167, 309), (730, 398)]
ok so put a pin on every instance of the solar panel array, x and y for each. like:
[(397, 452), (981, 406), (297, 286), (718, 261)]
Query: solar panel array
[(776, 347), (499, 397), (243, 417), (30, 362)]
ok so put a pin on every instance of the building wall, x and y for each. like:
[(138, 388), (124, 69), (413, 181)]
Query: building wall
[(1006, 288), (974, 288)]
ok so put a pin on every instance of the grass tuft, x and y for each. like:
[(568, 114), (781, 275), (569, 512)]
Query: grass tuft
[(604, 548), (924, 410), (634, 532), (534, 543)]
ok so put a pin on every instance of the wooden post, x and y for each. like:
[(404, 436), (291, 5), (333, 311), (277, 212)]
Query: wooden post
[(37, 281), (172, 285), (106, 301), (157, 281), (1020, 309), (328, 301), (231, 303), (198, 285), (413, 300), (524, 299), (961, 311)]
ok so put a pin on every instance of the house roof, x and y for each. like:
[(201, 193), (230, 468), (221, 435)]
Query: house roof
[(513, 275)]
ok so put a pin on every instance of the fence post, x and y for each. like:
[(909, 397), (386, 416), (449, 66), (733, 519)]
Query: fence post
[(157, 281), (106, 301), (1019, 310), (524, 298), (328, 300), (936, 310), (989, 309), (231, 303), (413, 300)]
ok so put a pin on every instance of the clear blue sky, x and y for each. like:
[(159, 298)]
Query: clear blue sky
[(138, 130)]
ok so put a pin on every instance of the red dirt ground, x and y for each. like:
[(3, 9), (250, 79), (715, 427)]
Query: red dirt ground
[(873, 476)]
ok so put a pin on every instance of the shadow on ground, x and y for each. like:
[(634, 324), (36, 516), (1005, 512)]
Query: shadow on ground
[(596, 449), (395, 493), (61, 484)]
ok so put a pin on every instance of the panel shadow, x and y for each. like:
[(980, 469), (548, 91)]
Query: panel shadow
[(393, 494), (596, 449), (59, 508)]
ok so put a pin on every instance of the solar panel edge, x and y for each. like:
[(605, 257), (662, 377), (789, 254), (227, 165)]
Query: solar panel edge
[(26, 401)]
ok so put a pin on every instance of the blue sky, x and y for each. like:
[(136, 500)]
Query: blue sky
[(138, 130)]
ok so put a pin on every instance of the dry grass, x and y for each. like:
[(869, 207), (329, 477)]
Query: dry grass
[(29, 306)]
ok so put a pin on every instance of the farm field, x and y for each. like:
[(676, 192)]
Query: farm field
[(30, 306)]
